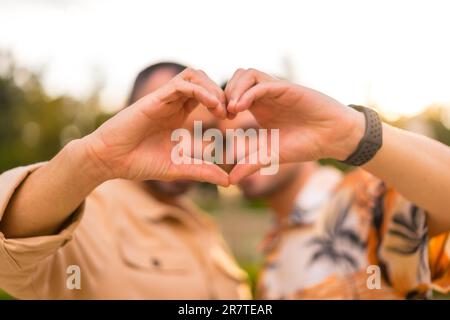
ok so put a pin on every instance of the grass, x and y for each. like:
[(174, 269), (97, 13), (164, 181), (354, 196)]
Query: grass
[(4, 295)]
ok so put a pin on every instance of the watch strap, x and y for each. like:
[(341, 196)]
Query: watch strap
[(371, 141)]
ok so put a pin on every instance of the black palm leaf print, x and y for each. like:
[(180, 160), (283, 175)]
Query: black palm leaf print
[(412, 229), (336, 231)]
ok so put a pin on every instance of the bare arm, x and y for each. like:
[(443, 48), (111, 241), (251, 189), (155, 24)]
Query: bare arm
[(51, 193), (419, 168)]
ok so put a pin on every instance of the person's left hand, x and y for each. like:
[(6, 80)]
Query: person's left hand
[(311, 125)]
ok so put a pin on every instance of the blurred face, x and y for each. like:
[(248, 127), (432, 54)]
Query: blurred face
[(157, 80), (257, 185)]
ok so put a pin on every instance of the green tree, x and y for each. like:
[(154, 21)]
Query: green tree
[(33, 125)]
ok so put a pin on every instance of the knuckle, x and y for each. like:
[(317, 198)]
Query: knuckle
[(175, 85), (252, 71), (178, 86), (201, 72), (189, 71), (239, 71)]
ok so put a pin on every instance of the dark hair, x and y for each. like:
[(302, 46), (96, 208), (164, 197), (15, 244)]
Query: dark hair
[(145, 74), (224, 85)]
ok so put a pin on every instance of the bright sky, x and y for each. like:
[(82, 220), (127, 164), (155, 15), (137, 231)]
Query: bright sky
[(392, 53)]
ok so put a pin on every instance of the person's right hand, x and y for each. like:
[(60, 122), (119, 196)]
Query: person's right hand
[(136, 143)]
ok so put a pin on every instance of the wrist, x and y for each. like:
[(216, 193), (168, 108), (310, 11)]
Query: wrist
[(353, 126), (81, 155), (379, 160), (371, 141)]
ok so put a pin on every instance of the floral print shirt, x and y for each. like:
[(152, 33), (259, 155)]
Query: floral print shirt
[(353, 237)]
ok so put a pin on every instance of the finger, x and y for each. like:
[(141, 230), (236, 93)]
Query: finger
[(203, 172), (231, 116), (255, 158), (190, 105), (270, 89), (200, 78), (232, 83), (241, 83), (200, 94), (244, 82), (243, 169)]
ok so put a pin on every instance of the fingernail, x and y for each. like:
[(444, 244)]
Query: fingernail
[(231, 116)]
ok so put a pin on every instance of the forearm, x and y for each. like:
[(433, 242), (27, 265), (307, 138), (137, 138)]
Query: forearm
[(52, 193), (419, 168)]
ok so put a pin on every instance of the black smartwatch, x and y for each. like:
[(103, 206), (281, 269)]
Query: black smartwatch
[(371, 141)]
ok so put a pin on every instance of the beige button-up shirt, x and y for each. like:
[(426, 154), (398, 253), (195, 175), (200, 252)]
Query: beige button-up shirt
[(120, 244)]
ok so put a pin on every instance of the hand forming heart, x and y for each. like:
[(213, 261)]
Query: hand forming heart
[(136, 143), (311, 125)]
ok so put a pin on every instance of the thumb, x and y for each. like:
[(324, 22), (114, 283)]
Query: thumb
[(247, 166), (200, 170)]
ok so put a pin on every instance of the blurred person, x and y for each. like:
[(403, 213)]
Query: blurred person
[(87, 211), (378, 232)]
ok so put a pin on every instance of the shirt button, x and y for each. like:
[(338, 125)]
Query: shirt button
[(155, 262)]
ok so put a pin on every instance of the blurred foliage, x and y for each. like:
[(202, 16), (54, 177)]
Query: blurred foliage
[(252, 270), (33, 125), (4, 295)]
